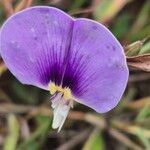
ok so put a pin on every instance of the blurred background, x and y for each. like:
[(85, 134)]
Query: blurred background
[(25, 111)]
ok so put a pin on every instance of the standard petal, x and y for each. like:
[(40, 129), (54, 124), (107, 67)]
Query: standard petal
[(34, 44), (97, 71)]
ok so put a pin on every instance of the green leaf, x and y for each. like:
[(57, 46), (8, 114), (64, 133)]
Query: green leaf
[(134, 48), (142, 18), (95, 141), (143, 139), (38, 135), (144, 113), (25, 94), (13, 134), (146, 47), (76, 5), (107, 9), (121, 25), (138, 48), (34, 145)]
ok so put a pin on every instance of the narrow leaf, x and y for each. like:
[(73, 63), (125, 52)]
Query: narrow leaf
[(13, 134), (95, 141)]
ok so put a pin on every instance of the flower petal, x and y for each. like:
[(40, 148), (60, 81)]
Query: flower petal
[(97, 69), (34, 44), (41, 44)]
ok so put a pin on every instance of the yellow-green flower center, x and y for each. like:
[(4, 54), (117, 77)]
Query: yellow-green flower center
[(65, 91)]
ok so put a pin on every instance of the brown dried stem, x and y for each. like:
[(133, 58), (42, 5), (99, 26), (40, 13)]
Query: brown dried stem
[(23, 4), (88, 117), (124, 139), (8, 7)]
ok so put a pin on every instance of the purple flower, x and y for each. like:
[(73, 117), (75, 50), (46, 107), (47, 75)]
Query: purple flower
[(75, 59)]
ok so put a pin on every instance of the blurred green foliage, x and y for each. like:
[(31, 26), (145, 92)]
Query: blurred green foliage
[(95, 141), (13, 136)]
